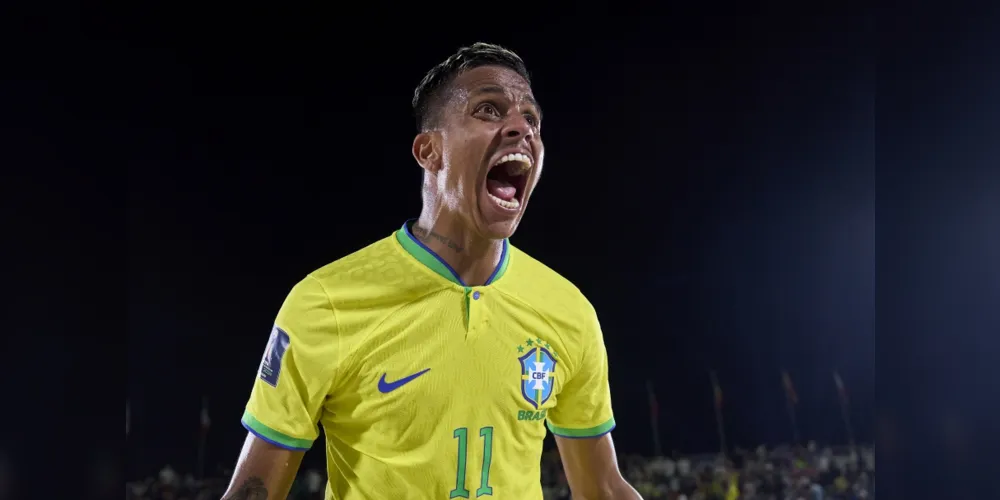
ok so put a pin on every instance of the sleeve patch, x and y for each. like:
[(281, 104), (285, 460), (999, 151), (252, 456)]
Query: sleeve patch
[(270, 366)]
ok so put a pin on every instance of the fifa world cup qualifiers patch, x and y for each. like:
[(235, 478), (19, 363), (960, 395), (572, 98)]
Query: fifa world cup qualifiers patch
[(270, 366)]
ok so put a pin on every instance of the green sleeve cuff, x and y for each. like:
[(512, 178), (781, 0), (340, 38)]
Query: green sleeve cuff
[(274, 437), (592, 432)]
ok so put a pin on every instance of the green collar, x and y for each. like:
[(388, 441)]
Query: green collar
[(427, 257)]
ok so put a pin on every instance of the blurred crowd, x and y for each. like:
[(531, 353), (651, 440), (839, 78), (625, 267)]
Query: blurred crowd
[(782, 473), (171, 485)]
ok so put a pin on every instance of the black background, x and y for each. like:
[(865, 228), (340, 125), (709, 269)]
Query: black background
[(775, 188)]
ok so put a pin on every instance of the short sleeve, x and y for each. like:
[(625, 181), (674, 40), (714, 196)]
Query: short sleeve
[(583, 409), (297, 371)]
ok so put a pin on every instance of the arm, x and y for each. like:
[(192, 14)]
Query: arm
[(592, 469), (582, 421), (295, 377), (263, 471)]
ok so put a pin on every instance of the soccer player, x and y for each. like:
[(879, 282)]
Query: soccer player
[(435, 358)]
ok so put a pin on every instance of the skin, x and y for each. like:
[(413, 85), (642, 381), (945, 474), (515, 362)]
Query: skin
[(263, 471), (485, 111)]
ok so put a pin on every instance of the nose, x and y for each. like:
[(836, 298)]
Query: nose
[(517, 127)]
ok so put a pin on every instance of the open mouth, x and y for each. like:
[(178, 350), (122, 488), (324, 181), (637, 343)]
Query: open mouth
[(507, 179)]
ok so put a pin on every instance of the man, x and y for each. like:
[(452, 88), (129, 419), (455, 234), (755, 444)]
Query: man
[(435, 357)]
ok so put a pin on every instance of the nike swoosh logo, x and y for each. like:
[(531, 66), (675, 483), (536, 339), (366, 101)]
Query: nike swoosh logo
[(387, 387)]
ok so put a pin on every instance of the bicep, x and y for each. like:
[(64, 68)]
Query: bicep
[(263, 471), (588, 460)]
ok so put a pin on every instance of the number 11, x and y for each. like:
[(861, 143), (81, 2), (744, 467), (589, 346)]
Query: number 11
[(462, 434)]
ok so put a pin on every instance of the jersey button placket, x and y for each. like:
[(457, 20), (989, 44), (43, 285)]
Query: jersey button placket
[(476, 309)]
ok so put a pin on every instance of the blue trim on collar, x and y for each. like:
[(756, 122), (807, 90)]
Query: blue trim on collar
[(406, 227), (458, 279)]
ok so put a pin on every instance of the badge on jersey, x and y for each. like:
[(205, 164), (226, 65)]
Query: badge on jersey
[(270, 366), (538, 371)]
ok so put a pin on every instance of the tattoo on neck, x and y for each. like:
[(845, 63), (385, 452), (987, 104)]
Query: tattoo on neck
[(425, 235), (251, 489)]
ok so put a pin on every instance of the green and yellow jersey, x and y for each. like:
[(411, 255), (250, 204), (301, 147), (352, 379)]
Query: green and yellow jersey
[(427, 387)]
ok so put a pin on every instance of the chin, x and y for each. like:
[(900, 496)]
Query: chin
[(495, 222), (500, 230)]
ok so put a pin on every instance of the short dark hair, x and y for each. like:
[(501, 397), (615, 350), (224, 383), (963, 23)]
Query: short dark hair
[(427, 96)]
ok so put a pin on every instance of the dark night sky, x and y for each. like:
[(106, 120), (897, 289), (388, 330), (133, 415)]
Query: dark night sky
[(708, 185)]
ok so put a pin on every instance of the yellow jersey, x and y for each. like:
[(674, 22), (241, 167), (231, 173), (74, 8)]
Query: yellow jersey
[(426, 387)]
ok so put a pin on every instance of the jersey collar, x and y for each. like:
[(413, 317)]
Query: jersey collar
[(427, 257)]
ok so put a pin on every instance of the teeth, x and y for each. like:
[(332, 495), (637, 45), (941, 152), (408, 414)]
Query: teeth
[(510, 205), (517, 163)]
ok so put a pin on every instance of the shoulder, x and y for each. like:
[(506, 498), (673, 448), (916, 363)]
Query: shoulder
[(372, 259), (310, 317), (309, 308), (381, 272), (549, 292)]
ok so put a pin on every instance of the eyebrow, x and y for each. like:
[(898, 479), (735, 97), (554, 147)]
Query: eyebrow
[(496, 89)]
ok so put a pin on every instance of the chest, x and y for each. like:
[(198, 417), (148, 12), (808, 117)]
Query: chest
[(469, 357)]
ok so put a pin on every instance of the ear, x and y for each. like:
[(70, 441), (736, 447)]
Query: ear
[(427, 150)]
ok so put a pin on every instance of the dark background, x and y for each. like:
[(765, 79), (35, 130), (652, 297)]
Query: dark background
[(730, 128), (776, 186), (202, 102), (709, 186)]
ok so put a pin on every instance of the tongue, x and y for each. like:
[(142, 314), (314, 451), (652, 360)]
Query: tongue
[(501, 189)]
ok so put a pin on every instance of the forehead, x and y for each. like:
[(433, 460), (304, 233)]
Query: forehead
[(491, 79)]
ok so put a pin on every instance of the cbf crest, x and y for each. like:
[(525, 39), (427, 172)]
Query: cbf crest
[(538, 371)]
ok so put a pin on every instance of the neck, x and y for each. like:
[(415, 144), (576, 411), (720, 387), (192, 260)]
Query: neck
[(471, 256)]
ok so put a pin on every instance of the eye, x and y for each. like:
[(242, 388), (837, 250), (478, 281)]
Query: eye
[(532, 119), (489, 109)]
